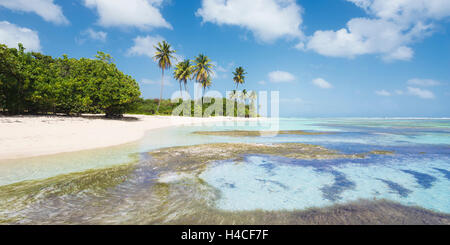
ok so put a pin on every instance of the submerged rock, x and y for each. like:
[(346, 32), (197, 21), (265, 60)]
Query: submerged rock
[(362, 212), (192, 158), (23, 197), (380, 152), (130, 194)]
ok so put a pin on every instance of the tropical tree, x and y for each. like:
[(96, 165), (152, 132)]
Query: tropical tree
[(114, 92), (35, 83), (202, 68), (203, 71), (239, 76), (183, 72), (164, 56), (206, 84)]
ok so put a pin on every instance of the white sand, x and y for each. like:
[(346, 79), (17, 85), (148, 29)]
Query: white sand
[(31, 136)]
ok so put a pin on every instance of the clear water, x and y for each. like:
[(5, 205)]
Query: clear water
[(417, 175)]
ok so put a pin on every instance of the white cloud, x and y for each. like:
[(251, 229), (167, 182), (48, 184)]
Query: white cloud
[(281, 77), (401, 53), (262, 82), (301, 46), (220, 71), (422, 93), (219, 68), (145, 45), (95, 35), (48, 10), (321, 83), (267, 19), (143, 14), (423, 82), (392, 27), (405, 10), (12, 35), (383, 93), (362, 36)]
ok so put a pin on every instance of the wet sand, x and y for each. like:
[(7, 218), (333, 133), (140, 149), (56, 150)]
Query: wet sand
[(30, 136)]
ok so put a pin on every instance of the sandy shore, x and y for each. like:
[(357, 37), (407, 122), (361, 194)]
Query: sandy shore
[(29, 136)]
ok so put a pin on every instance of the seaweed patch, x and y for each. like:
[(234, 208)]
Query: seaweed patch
[(445, 172), (425, 180), (341, 183), (399, 189)]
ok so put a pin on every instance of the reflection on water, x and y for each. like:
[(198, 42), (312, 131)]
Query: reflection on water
[(258, 190)]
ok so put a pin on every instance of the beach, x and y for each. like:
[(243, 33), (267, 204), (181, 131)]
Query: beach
[(315, 171), (31, 136)]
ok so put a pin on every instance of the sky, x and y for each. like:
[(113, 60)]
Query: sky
[(327, 58)]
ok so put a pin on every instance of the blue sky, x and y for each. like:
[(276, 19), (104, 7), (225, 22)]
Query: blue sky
[(332, 58)]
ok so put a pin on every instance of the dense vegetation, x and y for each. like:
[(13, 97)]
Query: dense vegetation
[(34, 83), (149, 107)]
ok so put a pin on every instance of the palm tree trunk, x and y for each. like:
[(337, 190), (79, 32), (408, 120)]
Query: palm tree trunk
[(181, 91), (161, 93), (203, 95)]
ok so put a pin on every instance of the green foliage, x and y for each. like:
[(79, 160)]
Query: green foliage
[(239, 76), (164, 56), (203, 71), (202, 68), (149, 106), (183, 72), (36, 83)]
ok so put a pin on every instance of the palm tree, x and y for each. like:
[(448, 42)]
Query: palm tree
[(239, 76), (183, 72), (164, 56), (202, 68), (202, 71), (206, 84)]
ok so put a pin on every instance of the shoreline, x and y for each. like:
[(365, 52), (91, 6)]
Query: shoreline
[(34, 136)]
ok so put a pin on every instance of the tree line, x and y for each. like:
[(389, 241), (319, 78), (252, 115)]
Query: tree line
[(200, 69), (208, 107), (34, 83)]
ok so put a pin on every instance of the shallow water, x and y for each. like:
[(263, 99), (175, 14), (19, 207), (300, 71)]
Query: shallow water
[(416, 175)]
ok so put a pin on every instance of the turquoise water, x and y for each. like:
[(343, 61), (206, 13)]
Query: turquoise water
[(417, 175)]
